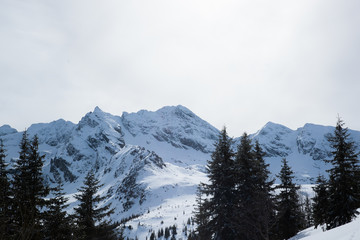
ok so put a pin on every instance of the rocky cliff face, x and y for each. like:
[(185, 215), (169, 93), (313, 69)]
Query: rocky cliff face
[(148, 161)]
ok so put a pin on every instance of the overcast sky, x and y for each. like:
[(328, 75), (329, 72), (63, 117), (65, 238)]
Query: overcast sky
[(234, 63)]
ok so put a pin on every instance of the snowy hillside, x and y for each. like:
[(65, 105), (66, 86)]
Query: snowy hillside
[(350, 231), (151, 162), (305, 148)]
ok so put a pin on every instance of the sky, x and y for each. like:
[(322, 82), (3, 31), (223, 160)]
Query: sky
[(236, 63)]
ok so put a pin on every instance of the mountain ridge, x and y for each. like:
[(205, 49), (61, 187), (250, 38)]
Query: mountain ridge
[(148, 161)]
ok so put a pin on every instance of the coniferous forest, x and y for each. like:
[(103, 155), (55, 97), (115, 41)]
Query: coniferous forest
[(28, 213), (240, 200)]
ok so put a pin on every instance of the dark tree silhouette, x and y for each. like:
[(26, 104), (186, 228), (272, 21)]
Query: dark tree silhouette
[(91, 219)]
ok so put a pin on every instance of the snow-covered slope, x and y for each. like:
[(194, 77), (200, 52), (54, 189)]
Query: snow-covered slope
[(305, 148), (350, 231), (151, 162)]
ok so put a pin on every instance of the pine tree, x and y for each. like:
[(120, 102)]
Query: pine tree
[(201, 217), (152, 236), (29, 190), (308, 212), (264, 199), (5, 197), (173, 230), (246, 177), (167, 233), (90, 219), (289, 219), (253, 192), (344, 178), (21, 191), (58, 225), (220, 192), (320, 201), (38, 190)]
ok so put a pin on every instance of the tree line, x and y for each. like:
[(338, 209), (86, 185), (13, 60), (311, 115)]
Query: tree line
[(29, 212), (241, 201)]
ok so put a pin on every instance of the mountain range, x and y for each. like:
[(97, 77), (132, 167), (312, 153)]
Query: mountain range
[(151, 162)]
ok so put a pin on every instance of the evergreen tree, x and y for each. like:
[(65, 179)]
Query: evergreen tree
[(21, 191), (264, 199), (219, 204), (344, 178), (90, 219), (308, 212), (29, 190), (167, 233), (201, 218), (246, 187), (161, 232), (5, 197), (253, 191), (320, 201), (289, 219), (58, 225), (173, 230), (152, 236), (38, 190), (192, 236)]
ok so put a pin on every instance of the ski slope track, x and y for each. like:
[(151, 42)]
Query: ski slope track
[(151, 162)]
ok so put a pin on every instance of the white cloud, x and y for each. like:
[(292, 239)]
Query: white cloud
[(239, 63)]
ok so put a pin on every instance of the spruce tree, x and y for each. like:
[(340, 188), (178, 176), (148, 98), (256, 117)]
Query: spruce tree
[(320, 201), (29, 190), (167, 233), (21, 192), (38, 190), (308, 212), (264, 199), (173, 230), (91, 219), (289, 218), (58, 224), (344, 178), (219, 206), (253, 187), (201, 217), (245, 172), (5, 197), (152, 236)]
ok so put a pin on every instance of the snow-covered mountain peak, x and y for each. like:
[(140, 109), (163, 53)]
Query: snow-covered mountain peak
[(52, 133), (6, 129), (99, 119), (175, 125), (179, 111), (98, 110), (271, 127)]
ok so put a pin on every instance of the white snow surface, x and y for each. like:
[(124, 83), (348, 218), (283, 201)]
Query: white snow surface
[(350, 231), (151, 162)]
